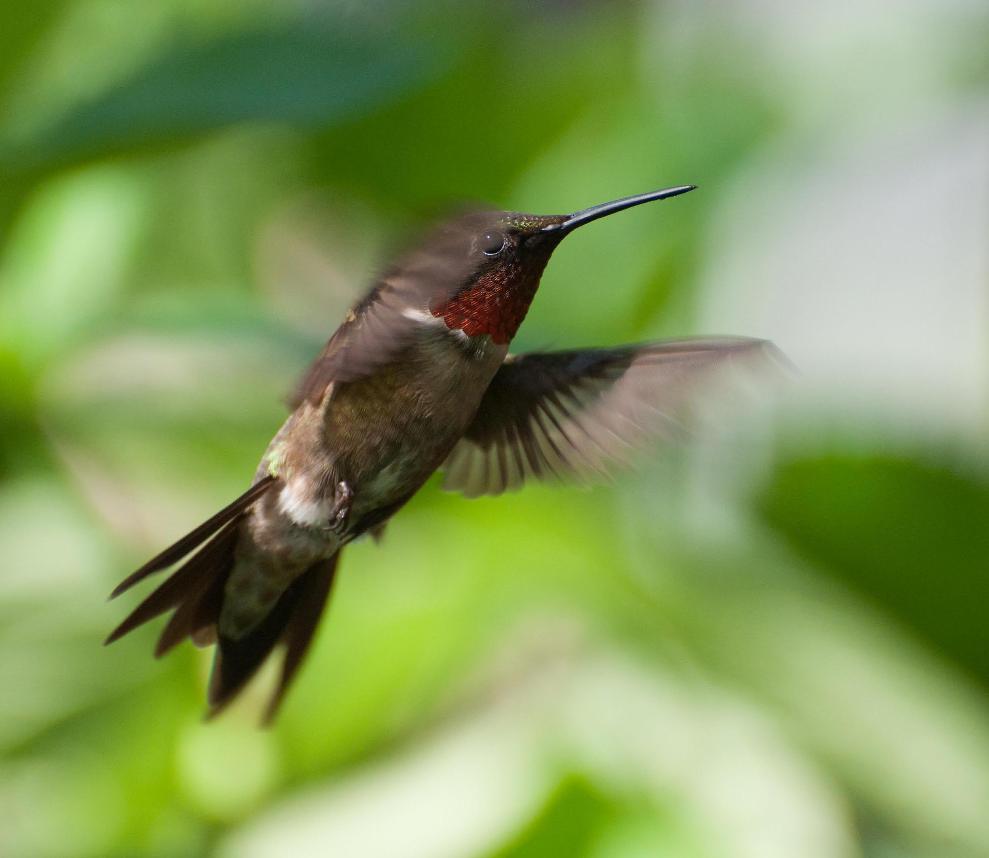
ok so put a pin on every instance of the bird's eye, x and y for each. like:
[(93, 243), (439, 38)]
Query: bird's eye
[(493, 243)]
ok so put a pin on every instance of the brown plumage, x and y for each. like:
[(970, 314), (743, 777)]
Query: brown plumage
[(376, 329), (418, 375)]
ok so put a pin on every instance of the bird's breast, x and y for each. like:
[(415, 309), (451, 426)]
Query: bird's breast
[(392, 429), (383, 434)]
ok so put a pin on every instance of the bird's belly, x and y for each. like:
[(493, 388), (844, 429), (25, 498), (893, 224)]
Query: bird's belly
[(390, 432), (400, 464), (393, 480), (381, 459), (383, 435)]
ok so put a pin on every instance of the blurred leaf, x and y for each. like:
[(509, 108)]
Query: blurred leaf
[(580, 818), (569, 824), (911, 535), (309, 76), (22, 26), (64, 264)]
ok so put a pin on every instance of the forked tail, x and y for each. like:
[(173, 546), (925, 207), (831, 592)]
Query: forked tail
[(194, 594)]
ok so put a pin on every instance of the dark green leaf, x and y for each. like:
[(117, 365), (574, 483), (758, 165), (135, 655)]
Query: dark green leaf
[(303, 76), (911, 535)]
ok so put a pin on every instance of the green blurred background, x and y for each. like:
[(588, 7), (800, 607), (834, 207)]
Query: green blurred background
[(770, 643)]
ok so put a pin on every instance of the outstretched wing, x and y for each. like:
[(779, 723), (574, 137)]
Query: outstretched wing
[(573, 413), (379, 326)]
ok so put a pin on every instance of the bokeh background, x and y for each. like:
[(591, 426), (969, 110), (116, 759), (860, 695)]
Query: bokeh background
[(770, 643)]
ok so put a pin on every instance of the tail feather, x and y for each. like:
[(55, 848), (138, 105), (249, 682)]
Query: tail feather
[(202, 627), (195, 538), (177, 628), (200, 608), (314, 591), (292, 621), (195, 593), (212, 559)]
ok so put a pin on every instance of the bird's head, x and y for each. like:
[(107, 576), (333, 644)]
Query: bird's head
[(501, 257)]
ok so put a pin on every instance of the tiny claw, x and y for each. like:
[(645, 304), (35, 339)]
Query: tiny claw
[(340, 512)]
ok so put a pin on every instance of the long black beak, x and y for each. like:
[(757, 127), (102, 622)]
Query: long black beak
[(594, 212)]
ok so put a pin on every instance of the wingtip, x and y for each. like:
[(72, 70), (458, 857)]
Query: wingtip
[(779, 358)]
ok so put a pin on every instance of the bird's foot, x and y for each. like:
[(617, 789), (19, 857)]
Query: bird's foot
[(340, 512)]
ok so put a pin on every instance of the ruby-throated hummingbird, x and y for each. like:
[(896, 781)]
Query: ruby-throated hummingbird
[(417, 377)]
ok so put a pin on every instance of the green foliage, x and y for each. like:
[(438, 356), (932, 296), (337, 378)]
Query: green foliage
[(907, 533)]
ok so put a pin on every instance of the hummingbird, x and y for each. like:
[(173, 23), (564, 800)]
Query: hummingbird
[(417, 378)]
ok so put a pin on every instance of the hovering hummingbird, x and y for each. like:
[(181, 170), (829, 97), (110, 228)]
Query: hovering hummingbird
[(418, 377)]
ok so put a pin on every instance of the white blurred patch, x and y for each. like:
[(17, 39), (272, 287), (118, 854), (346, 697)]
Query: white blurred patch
[(421, 316), (296, 501), (868, 266)]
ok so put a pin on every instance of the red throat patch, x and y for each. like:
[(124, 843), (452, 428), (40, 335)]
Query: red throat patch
[(494, 305)]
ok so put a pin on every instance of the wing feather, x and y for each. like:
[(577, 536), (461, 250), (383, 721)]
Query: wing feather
[(577, 413), (377, 329)]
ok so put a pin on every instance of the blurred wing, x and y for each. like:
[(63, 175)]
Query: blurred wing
[(573, 413), (379, 327)]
